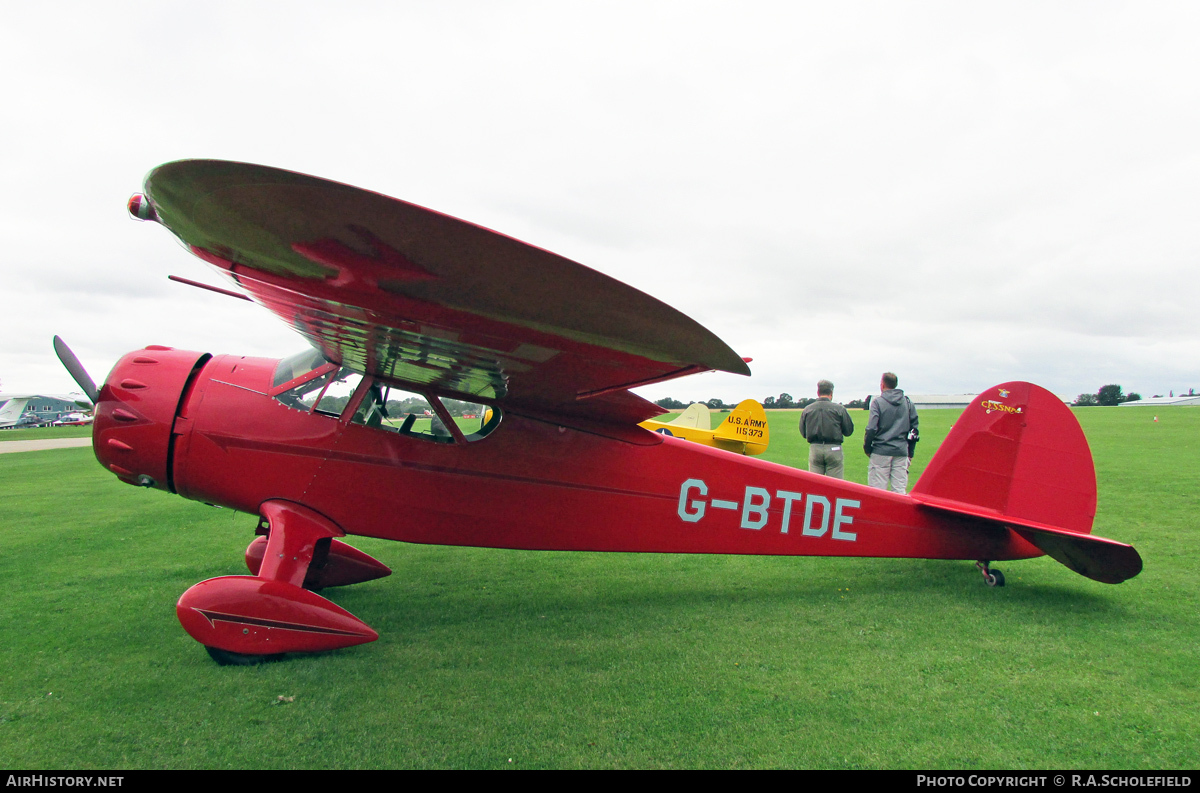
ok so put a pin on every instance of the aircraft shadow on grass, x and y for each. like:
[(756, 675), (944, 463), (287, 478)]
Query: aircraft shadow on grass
[(659, 596)]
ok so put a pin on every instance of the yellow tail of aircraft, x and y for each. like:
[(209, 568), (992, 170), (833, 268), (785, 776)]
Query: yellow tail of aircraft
[(744, 431)]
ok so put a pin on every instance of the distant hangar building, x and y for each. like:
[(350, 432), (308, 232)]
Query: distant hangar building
[(940, 401), (32, 410), (954, 401), (1186, 400)]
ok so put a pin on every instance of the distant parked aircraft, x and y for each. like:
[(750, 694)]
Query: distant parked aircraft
[(73, 420), (744, 431)]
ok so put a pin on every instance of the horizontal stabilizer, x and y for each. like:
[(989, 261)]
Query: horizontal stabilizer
[(1097, 558)]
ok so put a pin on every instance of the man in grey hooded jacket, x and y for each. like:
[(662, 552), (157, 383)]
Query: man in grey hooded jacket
[(891, 436)]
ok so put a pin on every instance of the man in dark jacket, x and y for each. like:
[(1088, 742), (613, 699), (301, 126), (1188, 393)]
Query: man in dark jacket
[(891, 436), (824, 424)]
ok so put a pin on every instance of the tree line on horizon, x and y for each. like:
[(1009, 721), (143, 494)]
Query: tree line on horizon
[(1107, 396), (782, 402)]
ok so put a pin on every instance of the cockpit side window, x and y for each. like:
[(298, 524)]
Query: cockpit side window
[(474, 420), (337, 394), (417, 415)]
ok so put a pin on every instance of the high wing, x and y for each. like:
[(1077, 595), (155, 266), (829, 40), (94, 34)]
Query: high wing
[(420, 298)]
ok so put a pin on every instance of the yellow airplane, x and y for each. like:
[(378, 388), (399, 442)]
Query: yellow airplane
[(744, 431)]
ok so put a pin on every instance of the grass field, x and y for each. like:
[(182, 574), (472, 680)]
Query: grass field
[(495, 659), (38, 433)]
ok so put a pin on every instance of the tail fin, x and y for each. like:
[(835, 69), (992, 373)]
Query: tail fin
[(746, 423), (696, 416), (1017, 451), (1017, 456)]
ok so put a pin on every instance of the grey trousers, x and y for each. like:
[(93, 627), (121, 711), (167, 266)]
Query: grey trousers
[(826, 458), (885, 469)]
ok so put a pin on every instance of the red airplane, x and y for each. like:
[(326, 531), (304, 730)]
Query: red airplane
[(394, 297)]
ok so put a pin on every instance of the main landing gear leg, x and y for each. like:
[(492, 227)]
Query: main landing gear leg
[(991, 576), (334, 563), (250, 619)]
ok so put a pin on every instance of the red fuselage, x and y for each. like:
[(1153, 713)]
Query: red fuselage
[(209, 429)]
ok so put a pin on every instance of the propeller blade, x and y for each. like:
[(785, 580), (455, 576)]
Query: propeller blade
[(76, 369)]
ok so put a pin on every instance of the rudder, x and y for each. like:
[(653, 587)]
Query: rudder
[(1017, 451)]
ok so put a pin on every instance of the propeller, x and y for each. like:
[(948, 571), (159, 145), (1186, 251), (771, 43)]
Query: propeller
[(76, 369)]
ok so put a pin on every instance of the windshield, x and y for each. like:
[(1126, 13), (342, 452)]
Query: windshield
[(297, 365), (327, 394)]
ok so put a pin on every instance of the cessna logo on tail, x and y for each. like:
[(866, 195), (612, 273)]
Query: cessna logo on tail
[(819, 516)]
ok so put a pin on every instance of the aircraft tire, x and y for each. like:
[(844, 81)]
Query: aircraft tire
[(996, 578), (226, 658)]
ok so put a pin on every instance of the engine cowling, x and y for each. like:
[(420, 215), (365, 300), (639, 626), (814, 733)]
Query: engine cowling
[(136, 412)]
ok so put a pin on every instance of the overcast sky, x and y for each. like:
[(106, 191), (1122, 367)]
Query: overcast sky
[(961, 193)]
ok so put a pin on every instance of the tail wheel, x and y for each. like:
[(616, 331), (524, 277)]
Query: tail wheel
[(991, 576)]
